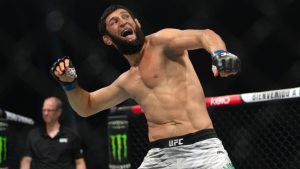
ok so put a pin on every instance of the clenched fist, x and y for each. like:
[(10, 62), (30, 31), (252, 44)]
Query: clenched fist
[(64, 72), (225, 64)]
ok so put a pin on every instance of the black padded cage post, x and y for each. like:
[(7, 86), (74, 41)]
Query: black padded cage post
[(118, 139), (3, 143), (10, 146)]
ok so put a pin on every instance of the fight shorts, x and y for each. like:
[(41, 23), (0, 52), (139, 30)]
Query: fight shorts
[(199, 150)]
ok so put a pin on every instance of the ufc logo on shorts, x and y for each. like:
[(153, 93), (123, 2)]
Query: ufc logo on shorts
[(175, 142)]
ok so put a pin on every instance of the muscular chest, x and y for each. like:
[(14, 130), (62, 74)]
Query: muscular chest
[(150, 70)]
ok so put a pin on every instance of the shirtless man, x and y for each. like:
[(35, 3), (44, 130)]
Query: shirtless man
[(163, 82)]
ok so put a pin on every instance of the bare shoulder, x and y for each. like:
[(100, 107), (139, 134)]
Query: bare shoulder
[(122, 79), (164, 35)]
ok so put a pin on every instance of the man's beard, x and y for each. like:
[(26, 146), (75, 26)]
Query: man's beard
[(128, 48)]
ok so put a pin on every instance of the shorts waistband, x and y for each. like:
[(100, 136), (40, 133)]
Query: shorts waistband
[(185, 139)]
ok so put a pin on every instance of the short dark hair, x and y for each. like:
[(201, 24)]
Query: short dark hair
[(108, 11)]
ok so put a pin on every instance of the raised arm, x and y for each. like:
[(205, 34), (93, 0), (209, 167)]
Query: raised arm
[(83, 102), (88, 103), (176, 40)]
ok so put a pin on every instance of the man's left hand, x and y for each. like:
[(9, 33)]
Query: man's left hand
[(225, 64)]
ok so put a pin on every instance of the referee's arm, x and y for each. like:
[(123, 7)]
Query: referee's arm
[(25, 162)]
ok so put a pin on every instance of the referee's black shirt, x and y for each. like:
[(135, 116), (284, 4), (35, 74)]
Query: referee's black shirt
[(59, 152)]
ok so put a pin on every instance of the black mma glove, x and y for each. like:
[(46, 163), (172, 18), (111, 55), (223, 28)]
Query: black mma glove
[(226, 63), (68, 77)]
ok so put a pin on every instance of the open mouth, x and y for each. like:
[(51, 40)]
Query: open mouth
[(126, 32)]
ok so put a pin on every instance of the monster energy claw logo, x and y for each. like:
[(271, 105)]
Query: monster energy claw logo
[(119, 146), (3, 149)]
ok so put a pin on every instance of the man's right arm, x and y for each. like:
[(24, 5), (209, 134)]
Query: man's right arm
[(25, 162), (88, 103), (83, 102)]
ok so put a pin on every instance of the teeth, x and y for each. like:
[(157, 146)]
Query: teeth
[(126, 32)]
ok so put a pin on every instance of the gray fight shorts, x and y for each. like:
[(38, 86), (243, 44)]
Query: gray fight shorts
[(199, 150)]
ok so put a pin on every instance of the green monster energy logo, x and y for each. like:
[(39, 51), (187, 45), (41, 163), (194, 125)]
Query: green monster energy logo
[(3, 150), (119, 145)]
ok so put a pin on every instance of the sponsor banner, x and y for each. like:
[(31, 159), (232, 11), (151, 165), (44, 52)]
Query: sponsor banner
[(236, 99), (271, 95), (118, 142), (223, 100)]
